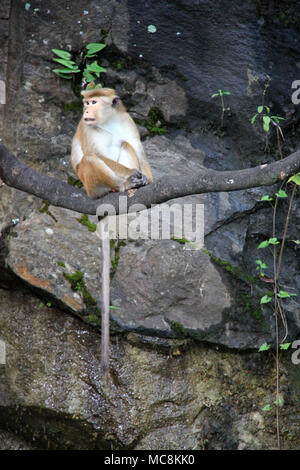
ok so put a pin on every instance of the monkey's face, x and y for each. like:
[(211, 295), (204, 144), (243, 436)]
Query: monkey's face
[(97, 110)]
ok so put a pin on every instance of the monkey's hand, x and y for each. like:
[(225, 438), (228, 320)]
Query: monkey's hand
[(137, 179)]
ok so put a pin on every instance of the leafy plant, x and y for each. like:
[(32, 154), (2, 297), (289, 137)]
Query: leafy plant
[(264, 347), (221, 94), (64, 58), (89, 71), (278, 294), (261, 266), (271, 241), (264, 114)]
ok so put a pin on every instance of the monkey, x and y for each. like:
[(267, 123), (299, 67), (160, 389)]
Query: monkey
[(107, 155)]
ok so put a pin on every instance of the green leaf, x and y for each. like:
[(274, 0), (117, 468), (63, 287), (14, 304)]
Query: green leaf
[(264, 347), (285, 346), (263, 244), (61, 74), (94, 67), (95, 47), (283, 294), (114, 308), (68, 70), (265, 299), (89, 56), (267, 408), (273, 241), (295, 179), (67, 63), (253, 119), (266, 123), (62, 54), (88, 76), (226, 92), (281, 193), (214, 95), (261, 264), (260, 109), (277, 118), (278, 402), (266, 198)]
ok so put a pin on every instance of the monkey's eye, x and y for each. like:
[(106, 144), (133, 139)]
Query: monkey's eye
[(94, 101)]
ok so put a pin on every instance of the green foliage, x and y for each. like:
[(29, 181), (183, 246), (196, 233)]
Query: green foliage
[(281, 194), (278, 295), (45, 210), (64, 58), (284, 295), (263, 112), (266, 198), (155, 123), (266, 243), (74, 182), (238, 273), (89, 71), (264, 347), (266, 118), (267, 408), (77, 283), (295, 179), (265, 299), (221, 94), (116, 245), (84, 220), (285, 346), (261, 266)]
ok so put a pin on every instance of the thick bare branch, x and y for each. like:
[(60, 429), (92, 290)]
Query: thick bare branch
[(16, 174)]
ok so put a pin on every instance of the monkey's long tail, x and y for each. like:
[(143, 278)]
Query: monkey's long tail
[(105, 282)]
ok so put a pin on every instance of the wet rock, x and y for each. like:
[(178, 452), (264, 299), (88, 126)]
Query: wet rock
[(40, 255), (53, 396)]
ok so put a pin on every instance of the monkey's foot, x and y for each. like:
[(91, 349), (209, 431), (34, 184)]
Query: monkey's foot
[(137, 179)]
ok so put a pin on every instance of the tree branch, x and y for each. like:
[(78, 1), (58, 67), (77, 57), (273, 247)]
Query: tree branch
[(16, 174)]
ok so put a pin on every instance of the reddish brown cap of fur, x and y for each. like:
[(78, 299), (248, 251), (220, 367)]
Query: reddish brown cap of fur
[(98, 92)]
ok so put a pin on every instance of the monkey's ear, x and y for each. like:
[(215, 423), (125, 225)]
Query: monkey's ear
[(115, 102)]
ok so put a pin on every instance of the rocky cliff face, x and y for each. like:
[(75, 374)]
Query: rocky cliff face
[(187, 324)]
